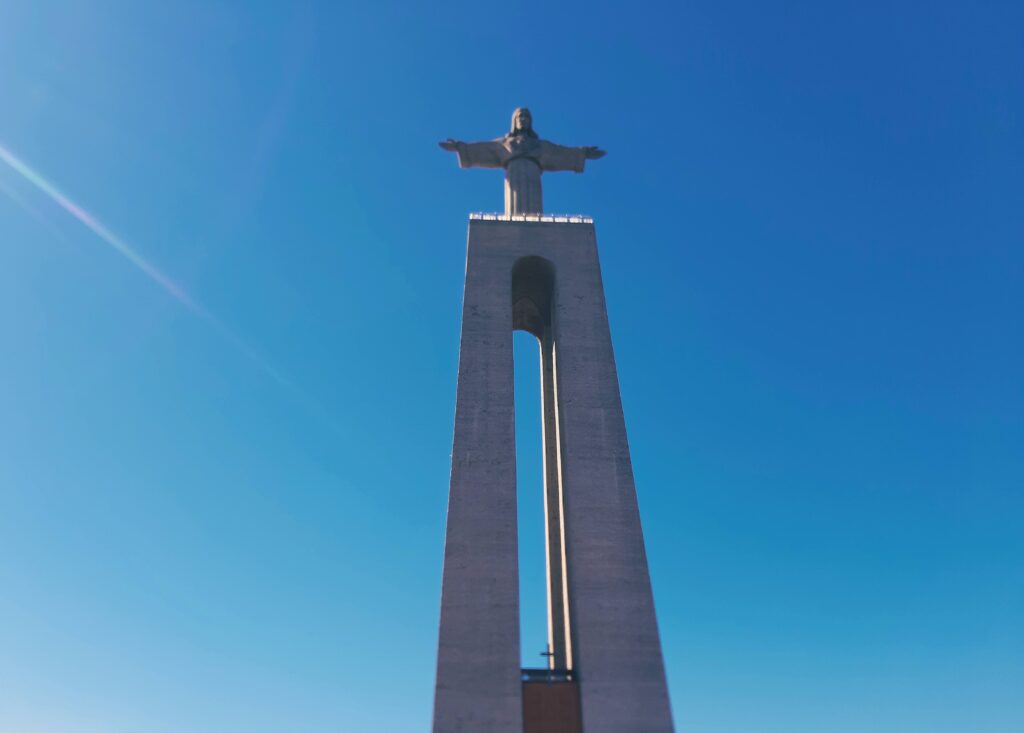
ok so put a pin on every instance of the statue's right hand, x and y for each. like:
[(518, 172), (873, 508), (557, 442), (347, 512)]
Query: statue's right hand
[(449, 144)]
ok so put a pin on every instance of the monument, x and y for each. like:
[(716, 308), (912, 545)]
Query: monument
[(540, 274), (524, 156)]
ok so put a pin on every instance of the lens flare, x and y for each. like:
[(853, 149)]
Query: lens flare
[(99, 230), (140, 262)]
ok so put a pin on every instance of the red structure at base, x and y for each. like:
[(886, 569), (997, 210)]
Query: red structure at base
[(551, 707)]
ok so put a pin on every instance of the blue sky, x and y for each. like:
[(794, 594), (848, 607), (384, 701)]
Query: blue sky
[(223, 481)]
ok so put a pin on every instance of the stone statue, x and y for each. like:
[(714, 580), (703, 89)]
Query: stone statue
[(524, 156)]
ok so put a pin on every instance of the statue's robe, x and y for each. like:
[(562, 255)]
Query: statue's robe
[(524, 159)]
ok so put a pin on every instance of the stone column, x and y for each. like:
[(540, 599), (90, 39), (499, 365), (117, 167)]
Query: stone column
[(478, 678), (559, 640), (616, 647)]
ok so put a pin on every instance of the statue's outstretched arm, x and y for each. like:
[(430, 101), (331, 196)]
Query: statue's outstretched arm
[(554, 157), (489, 154)]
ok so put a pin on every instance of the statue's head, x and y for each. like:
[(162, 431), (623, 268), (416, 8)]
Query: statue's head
[(522, 122)]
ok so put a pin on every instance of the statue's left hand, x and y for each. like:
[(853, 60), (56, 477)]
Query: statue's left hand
[(449, 144), (592, 152)]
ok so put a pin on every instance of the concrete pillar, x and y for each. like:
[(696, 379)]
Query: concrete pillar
[(478, 678)]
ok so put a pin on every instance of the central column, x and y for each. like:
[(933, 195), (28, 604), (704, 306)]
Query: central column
[(559, 638)]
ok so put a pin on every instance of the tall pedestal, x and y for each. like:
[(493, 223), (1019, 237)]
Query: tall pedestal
[(544, 277)]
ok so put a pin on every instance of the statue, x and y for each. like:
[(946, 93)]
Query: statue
[(524, 156)]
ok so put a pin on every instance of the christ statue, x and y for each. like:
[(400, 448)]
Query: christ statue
[(524, 156)]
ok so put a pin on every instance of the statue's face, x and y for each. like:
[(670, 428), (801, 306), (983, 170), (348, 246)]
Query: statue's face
[(523, 120)]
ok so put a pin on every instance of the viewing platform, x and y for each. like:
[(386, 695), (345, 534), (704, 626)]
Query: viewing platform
[(547, 218)]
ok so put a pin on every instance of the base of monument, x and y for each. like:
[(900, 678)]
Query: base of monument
[(551, 706)]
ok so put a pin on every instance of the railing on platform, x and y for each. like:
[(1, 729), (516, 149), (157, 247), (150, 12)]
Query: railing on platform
[(548, 675), (547, 218)]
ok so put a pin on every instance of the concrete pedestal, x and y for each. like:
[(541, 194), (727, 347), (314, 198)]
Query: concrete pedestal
[(544, 277)]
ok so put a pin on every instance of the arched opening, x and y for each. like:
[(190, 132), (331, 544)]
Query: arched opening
[(533, 592), (533, 285), (543, 587)]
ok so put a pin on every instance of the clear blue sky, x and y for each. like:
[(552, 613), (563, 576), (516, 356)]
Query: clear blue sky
[(227, 378)]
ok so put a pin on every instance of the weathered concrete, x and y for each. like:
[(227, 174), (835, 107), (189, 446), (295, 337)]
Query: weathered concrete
[(478, 681), (611, 635)]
